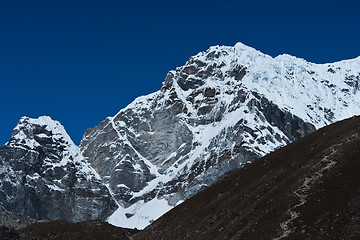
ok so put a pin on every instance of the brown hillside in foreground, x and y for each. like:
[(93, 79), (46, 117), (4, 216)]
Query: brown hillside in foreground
[(63, 230), (309, 189)]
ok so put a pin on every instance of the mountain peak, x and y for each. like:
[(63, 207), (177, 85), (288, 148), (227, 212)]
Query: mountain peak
[(31, 132), (226, 107), (240, 47), (41, 164), (47, 136)]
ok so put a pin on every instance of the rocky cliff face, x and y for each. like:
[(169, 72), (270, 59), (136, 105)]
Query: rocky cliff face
[(306, 190), (224, 108), (44, 176)]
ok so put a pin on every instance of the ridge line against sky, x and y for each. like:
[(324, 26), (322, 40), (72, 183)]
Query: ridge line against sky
[(81, 61)]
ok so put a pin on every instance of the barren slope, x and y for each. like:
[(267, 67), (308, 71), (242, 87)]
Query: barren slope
[(306, 190), (63, 230)]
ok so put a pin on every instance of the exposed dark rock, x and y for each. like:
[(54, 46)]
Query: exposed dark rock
[(291, 125), (7, 233), (14, 220), (63, 230), (306, 190), (44, 176)]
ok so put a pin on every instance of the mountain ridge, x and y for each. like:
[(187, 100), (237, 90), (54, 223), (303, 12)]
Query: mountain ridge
[(225, 107)]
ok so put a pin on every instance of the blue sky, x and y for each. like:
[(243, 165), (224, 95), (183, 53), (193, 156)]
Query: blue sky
[(81, 61)]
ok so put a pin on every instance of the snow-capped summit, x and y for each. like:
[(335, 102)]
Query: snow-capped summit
[(44, 134), (44, 176), (26, 135), (224, 108)]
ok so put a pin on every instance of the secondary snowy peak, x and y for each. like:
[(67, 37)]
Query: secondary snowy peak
[(41, 164), (48, 135), (29, 132), (225, 107)]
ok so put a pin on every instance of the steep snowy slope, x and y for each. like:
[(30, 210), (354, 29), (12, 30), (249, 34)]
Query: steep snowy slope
[(44, 176), (224, 108)]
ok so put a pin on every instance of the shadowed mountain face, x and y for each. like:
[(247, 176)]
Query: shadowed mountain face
[(306, 190)]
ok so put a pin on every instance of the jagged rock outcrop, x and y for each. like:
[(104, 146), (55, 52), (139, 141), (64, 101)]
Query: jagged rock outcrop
[(224, 108), (44, 176)]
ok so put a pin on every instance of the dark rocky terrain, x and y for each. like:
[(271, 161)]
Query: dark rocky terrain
[(63, 230), (307, 190), (15, 220)]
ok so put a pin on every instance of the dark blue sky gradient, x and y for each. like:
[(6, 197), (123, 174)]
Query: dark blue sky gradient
[(81, 61)]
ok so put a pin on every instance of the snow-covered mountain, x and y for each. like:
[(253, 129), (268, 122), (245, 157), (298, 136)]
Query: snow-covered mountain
[(224, 108), (44, 176)]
